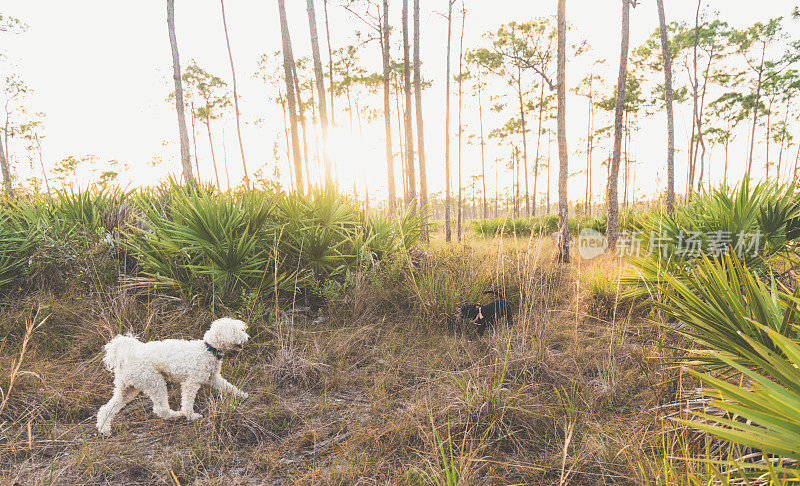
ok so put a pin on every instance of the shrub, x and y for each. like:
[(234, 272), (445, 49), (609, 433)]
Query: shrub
[(201, 242), (761, 224), (16, 247)]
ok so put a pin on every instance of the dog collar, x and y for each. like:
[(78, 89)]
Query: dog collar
[(213, 350), (479, 316)]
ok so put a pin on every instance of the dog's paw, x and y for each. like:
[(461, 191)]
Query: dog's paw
[(244, 395), (194, 416), (172, 415), (105, 431)]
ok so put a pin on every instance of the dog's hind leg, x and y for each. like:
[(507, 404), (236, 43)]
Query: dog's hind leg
[(122, 395), (188, 393), (224, 386), (157, 392)]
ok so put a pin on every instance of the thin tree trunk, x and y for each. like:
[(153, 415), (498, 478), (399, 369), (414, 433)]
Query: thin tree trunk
[(549, 143), (769, 126), (423, 175), (755, 111), (524, 141), (725, 173), (563, 172), (448, 231), (323, 110), (225, 160), (796, 160), (613, 178), (387, 112), (302, 113), (194, 144), (176, 76), (587, 198), (626, 167), (783, 140), (330, 56), (41, 163), (538, 142), (516, 195), (288, 70), (667, 60), (213, 156), (235, 94), (401, 140), (286, 136), (460, 127), (6, 171), (497, 193), (483, 155), (411, 193)]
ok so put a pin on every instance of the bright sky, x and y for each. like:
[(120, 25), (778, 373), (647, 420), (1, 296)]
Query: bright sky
[(101, 71)]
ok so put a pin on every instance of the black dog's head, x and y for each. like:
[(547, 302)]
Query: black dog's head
[(471, 312)]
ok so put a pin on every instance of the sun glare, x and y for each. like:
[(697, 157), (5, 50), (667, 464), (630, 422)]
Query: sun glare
[(356, 156)]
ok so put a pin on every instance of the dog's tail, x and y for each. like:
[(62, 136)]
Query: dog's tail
[(118, 349)]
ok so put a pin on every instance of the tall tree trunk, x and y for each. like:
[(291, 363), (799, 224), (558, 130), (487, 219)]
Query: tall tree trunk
[(411, 193), (423, 175), (563, 172), (589, 129), (612, 232), (448, 230), (755, 111), (288, 72), (667, 60), (387, 112), (330, 56), (235, 95), (460, 127), (483, 155), (323, 110), (176, 76)]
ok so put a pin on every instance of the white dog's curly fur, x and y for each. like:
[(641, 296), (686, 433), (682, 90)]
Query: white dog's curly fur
[(146, 367)]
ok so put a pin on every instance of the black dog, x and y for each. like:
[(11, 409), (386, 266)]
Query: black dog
[(488, 315)]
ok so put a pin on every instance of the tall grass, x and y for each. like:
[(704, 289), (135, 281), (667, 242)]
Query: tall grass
[(548, 224)]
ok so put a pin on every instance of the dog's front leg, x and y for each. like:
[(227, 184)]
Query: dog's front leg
[(224, 386), (188, 393)]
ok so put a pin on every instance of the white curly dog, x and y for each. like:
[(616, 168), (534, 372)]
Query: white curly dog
[(146, 367)]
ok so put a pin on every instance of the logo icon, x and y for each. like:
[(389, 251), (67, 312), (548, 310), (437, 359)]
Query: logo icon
[(591, 243)]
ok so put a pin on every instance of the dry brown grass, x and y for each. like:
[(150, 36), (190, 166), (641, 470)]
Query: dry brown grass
[(366, 396)]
